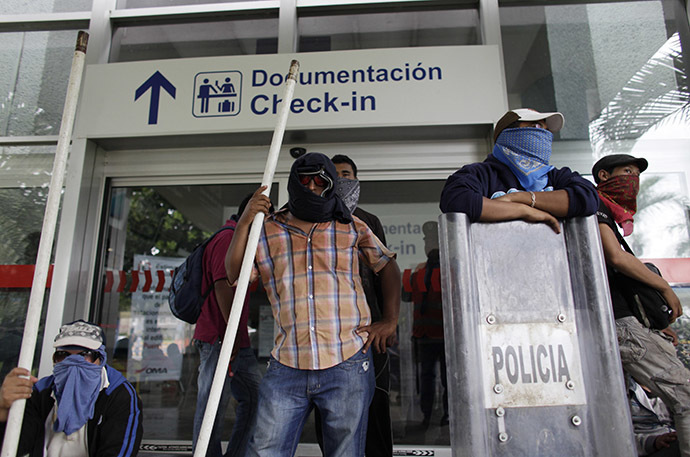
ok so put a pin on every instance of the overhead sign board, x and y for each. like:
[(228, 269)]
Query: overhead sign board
[(345, 89)]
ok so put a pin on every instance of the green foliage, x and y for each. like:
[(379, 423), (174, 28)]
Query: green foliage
[(154, 227)]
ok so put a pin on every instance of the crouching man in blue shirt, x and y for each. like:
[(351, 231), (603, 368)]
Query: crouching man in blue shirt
[(84, 409)]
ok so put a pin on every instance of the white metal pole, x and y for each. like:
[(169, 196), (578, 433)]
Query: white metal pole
[(245, 271), (45, 246)]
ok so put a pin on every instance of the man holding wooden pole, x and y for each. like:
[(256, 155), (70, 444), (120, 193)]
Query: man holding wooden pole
[(307, 258)]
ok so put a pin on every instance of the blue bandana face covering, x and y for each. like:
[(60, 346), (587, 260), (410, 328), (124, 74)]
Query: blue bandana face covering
[(77, 384), (526, 151)]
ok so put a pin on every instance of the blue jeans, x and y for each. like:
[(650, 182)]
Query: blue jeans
[(287, 395), (244, 387)]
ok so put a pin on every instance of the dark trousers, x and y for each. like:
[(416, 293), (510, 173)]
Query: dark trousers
[(430, 352)]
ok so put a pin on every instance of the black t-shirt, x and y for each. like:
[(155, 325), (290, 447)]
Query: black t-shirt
[(371, 283), (620, 304)]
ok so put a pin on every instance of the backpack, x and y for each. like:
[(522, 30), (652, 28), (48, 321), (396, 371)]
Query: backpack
[(186, 297), (646, 303)]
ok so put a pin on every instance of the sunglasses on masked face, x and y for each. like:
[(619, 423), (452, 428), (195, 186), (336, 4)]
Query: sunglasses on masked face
[(89, 355), (320, 178)]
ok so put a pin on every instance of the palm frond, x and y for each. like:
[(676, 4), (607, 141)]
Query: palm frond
[(657, 94)]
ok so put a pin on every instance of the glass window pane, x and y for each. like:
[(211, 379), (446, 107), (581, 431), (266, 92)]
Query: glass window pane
[(418, 400), (150, 231), (251, 36), (618, 73), (122, 4), (388, 30), (43, 6), (34, 71), (608, 47), (24, 178), (661, 208)]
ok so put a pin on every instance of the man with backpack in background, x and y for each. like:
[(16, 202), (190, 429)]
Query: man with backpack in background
[(243, 374), (648, 355)]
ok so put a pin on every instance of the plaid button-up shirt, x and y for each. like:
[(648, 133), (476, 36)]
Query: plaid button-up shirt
[(312, 281)]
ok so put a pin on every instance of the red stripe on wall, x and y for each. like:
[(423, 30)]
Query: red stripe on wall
[(109, 280), (161, 280), (123, 281), (148, 280), (675, 271), (135, 281), (20, 276)]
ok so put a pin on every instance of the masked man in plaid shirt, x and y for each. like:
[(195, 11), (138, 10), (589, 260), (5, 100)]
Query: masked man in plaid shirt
[(308, 260)]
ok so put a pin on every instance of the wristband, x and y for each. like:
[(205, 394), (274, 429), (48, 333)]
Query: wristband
[(534, 199)]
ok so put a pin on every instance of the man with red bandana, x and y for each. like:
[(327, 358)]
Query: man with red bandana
[(648, 355)]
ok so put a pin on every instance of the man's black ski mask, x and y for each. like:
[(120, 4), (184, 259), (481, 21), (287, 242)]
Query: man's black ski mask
[(305, 204)]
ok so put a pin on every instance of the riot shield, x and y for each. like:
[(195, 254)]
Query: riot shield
[(531, 350)]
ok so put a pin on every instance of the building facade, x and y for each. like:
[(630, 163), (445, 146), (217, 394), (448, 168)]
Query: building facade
[(409, 90)]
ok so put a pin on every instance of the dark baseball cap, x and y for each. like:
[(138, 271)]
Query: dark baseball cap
[(617, 160)]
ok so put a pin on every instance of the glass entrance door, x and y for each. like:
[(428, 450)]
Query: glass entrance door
[(149, 230), (409, 212)]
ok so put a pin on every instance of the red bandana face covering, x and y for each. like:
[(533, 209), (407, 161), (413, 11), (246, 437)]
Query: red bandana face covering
[(619, 194)]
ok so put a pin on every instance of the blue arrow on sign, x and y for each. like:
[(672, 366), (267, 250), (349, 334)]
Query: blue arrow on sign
[(155, 82)]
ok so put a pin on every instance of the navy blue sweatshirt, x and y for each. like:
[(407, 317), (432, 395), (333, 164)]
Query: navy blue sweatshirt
[(464, 189)]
